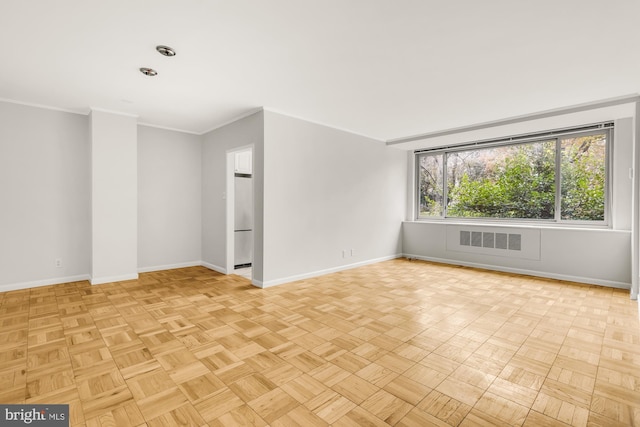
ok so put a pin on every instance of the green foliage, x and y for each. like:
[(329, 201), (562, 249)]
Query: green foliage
[(522, 185), (518, 181), (583, 179), (431, 186)]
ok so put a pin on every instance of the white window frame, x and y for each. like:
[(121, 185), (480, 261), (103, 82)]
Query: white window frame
[(593, 129)]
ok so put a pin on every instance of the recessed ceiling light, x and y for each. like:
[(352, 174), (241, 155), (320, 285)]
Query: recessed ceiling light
[(148, 71), (166, 50)]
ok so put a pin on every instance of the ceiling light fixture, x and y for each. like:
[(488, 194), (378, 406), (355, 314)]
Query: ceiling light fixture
[(148, 71), (166, 50)]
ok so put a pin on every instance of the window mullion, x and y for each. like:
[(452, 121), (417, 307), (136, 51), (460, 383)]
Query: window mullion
[(558, 201), (417, 189), (445, 181)]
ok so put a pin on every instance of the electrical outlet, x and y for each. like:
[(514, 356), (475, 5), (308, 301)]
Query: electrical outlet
[(344, 253), (353, 251), (58, 262)]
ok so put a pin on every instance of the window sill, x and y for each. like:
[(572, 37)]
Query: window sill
[(517, 224)]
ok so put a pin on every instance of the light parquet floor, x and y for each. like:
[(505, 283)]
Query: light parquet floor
[(396, 343)]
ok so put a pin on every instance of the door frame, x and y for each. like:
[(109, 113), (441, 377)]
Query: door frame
[(230, 206)]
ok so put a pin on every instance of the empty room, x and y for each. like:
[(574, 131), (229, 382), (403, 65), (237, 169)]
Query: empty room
[(313, 213)]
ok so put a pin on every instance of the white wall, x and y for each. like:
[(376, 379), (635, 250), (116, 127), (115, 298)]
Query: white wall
[(45, 205), (246, 132), (326, 191), (622, 185), (599, 256), (169, 199), (114, 194), (589, 256), (322, 191)]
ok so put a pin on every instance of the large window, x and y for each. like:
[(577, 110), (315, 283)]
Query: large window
[(561, 177)]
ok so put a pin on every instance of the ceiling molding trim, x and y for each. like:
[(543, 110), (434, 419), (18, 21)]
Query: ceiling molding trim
[(43, 106), (627, 99), (235, 119), (271, 110), (151, 125), (118, 113)]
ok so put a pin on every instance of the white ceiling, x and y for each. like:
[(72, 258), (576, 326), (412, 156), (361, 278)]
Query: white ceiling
[(381, 68)]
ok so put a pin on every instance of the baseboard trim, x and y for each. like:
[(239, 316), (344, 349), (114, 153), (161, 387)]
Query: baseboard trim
[(111, 279), (213, 267), (45, 282), (170, 266), (543, 274), (276, 282)]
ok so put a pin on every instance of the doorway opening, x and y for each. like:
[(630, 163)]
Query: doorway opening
[(240, 212)]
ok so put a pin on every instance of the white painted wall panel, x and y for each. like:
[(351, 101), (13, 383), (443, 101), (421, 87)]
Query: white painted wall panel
[(114, 197), (621, 178), (590, 256), (169, 198), (45, 203), (327, 191)]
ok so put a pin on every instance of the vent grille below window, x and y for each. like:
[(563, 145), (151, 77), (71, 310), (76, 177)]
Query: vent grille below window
[(506, 241)]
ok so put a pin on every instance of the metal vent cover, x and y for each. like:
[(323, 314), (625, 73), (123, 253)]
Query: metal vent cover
[(480, 239)]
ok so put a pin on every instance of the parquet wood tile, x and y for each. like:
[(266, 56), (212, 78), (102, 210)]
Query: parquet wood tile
[(418, 418), (386, 406), (407, 389), (185, 415), (330, 406), (218, 404), (162, 402), (273, 404), (68, 395), (356, 389), (444, 408), (126, 414), (252, 386), (304, 388), (299, 416), (400, 343), (202, 387), (104, 402), (241, 416), (515, 392), (502, 409), (232, 373)]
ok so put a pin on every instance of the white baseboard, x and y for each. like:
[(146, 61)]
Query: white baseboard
[(170, 266), (544, 274), (111, 279), (45, 282), (276, 282), (214, 267), (108, 279)]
